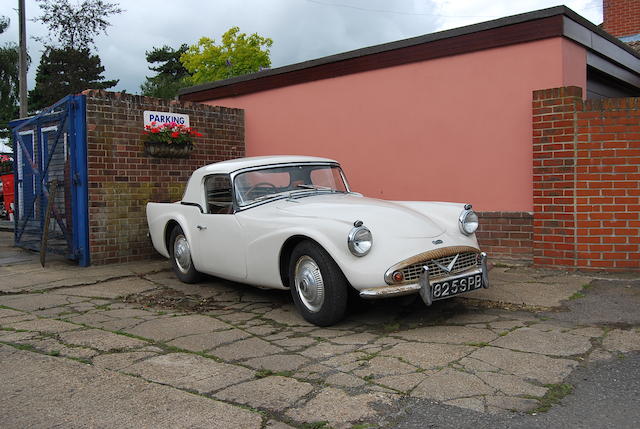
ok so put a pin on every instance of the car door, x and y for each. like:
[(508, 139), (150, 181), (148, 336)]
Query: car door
[(218, 237)]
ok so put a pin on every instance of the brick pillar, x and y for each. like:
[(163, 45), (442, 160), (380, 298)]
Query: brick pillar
[(586, 181), (554, 176)]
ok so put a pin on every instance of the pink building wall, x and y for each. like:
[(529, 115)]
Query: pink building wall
[(457, 128)]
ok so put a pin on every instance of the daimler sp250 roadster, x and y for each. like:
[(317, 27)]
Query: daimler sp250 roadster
[(292, 222)]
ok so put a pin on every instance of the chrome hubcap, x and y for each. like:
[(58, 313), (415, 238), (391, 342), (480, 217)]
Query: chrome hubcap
[(309, 284), (182, 253)]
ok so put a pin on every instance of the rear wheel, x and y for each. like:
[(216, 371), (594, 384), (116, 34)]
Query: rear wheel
[(181, 261), (318, 287)]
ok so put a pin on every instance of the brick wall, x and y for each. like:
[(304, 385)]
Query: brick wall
[(586, 165), (506, 235), (122, 179), (621, 17)]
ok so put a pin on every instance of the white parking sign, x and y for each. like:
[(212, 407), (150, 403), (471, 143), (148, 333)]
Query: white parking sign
[(165, 117)]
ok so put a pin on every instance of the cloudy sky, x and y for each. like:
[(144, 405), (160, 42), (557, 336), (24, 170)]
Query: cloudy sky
[(301, 29)]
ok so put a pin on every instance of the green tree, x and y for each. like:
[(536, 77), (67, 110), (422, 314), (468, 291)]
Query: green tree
[(74, 25), (170, 73), (238, 54), (67, 65), (9, 78), (66, 71)]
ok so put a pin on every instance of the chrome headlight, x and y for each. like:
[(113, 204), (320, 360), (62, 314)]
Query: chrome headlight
[(360, 240), (468, 221)]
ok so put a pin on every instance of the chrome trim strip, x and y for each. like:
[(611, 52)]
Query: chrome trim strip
[(389, 291)]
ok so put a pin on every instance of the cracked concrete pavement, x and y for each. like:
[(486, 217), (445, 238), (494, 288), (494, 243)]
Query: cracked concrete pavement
[(129, 345)]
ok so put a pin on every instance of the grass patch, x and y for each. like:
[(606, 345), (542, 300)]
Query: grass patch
[(577, 295), (262, 373), (367, 357), (103, 307), (362, 426), (553, 396), (391, 327), (19, 346)]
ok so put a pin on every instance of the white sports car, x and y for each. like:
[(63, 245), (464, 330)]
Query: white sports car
[(292, 222)]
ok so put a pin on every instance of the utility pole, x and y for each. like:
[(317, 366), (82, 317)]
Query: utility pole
[(23, 60)]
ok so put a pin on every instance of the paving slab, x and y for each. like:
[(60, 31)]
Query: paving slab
[(544, 369), (6, 312), (383, 365), (448, 384), (168, 328), (511, 385), (449, 334), (286, 315), (76, 393), (344, 380), (16, 337), (278, 363), (272, 393), (120, 361), (190, 371), (244, 349), (403, 383), (338, 408), (209, 340), (547, 343), (622, 341), (31, 302), (110, 289), (101, 340), (55, 347), (327, 350), (540, 288), (428, 355), (45, 325)]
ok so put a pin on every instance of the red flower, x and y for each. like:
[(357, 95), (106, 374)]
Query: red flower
[(175, 134)]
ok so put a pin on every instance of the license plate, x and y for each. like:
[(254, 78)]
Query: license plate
[(451, 287)]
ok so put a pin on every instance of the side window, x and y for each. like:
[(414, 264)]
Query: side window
[(218, 191)]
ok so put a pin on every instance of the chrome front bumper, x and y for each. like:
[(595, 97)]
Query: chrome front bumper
[(423, 287)]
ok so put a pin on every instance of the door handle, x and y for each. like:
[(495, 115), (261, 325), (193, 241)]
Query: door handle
[(200, 227)]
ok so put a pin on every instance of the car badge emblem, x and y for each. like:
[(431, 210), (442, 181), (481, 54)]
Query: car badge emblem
[(449, 267), (437, 241)]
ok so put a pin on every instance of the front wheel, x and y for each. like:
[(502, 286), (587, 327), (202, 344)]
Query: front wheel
[(318, 287), (181, 257)]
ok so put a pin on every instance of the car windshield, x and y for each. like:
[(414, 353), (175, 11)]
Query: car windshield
[(292, 180)]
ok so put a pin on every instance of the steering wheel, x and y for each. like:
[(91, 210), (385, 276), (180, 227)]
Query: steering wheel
[(253, 188)]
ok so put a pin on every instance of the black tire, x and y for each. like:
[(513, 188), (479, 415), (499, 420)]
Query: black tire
[(182, 263), (312, 272)]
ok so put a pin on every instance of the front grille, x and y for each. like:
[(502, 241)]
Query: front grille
[(465, 261)]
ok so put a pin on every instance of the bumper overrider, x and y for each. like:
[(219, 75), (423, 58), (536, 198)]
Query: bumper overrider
[(435, 275)]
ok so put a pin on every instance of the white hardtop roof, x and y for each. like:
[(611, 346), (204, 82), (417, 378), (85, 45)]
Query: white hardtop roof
[(257, 161)]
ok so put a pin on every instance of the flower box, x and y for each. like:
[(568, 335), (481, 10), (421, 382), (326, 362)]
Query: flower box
[(168, 140)]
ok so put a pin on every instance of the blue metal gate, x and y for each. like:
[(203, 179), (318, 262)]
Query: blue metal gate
[(50, 150)]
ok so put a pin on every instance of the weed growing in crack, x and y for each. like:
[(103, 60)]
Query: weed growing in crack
[(554, 395)]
